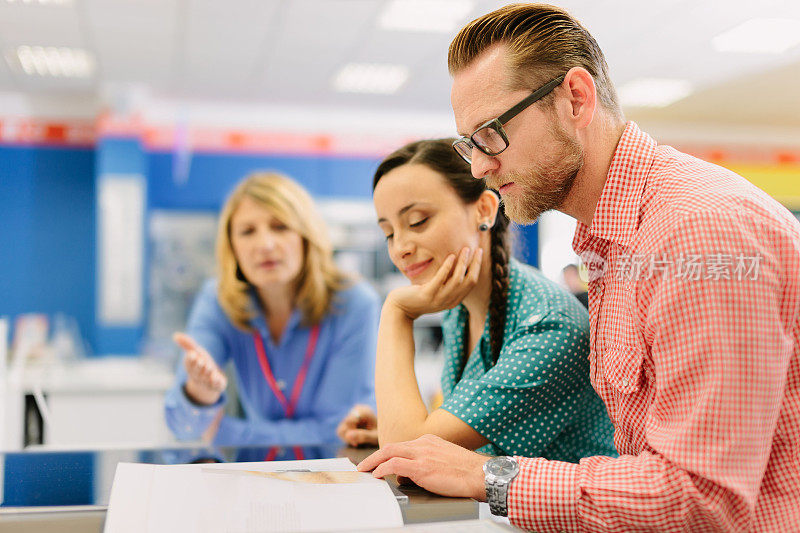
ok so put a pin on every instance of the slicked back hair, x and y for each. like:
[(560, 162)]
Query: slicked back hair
[(542, 41)]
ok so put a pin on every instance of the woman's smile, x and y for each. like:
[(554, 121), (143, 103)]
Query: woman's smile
[(416, 269)]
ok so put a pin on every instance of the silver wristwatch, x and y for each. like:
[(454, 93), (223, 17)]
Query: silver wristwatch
[(499, 472)]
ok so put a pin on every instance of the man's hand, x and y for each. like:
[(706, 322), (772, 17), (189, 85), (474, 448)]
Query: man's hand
[(359, 427), (445, 290), (205, 381), (432, 463)]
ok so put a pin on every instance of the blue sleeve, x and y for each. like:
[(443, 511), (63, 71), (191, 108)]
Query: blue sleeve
[(348, 378), (207, 325)]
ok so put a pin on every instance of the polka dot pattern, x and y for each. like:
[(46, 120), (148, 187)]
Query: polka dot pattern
[(537, 400)]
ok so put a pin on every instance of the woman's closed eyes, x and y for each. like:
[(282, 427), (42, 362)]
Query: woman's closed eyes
[(417, 224)]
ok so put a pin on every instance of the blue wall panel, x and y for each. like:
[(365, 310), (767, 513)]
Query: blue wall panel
[(526, 244), (47, 233), (212, 175)]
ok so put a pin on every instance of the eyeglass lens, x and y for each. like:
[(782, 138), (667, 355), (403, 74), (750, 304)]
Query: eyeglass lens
[(490, 140)]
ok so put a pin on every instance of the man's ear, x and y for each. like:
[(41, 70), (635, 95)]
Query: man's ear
[(487, 205), (581, 95)]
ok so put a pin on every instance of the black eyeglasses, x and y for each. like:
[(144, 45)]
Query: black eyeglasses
[(490, 138)]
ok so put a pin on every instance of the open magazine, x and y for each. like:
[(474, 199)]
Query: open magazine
[(313, 495)]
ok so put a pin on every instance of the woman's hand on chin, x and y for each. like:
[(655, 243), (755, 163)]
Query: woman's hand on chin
[(455, 278)]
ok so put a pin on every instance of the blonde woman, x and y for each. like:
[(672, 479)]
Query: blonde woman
[(301, 335)]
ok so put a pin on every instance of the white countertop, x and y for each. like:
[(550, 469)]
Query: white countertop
[(101, 374)]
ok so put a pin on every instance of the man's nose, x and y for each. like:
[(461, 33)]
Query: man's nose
[(482, 164)]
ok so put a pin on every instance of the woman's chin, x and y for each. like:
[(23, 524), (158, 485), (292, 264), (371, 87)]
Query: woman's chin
[(423, 278)]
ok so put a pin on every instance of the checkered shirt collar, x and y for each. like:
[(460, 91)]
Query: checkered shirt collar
[(616, 217)]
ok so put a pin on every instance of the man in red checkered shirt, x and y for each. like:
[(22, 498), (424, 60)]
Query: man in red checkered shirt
[(694, 300)]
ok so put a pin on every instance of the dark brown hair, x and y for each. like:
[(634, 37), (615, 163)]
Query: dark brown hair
[(438, 155), (543, 42)]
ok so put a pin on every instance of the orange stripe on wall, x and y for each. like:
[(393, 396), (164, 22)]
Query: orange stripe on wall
[(34, 131)]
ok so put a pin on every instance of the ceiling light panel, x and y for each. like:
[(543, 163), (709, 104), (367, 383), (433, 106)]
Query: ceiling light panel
[(653, 92), (436, 16), (63, 3), (56, 62), (372, 78), (760, 35)]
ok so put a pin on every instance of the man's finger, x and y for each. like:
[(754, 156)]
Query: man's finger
[(396, 465), (396, 449), (372, 460)]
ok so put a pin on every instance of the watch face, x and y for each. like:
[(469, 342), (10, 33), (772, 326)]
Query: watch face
[(503, 467)]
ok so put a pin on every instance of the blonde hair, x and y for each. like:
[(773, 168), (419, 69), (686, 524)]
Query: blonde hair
[(319, 277), (543, 42)]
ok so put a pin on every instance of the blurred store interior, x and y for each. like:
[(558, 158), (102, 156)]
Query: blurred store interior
[(124, 123)]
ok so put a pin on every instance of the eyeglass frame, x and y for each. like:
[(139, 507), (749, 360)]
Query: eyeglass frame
[(497, 123)]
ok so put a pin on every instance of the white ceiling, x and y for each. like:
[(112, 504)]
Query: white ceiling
[(278, 55)]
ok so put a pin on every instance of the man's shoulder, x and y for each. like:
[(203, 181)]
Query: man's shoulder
[(686, 192), (686, 184)]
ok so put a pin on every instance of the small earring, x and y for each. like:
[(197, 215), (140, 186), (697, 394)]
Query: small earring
[(483, 226)]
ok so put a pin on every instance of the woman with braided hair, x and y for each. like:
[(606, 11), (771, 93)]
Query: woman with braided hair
[(516, 369)]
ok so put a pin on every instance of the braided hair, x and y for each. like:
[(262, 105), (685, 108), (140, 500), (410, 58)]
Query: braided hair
[(438, 155)]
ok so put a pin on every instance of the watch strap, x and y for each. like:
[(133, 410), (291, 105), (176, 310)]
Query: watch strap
[(497, 496)]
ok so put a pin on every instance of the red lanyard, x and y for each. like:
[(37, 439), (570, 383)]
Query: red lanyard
[(289, 406)]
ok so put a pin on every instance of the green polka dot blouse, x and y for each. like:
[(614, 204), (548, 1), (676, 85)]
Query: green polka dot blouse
[(537, 400)]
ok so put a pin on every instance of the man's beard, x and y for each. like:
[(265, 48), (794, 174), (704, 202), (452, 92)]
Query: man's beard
[(545, 185)]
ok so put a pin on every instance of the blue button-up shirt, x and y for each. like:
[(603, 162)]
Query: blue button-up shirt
[(341, 372)]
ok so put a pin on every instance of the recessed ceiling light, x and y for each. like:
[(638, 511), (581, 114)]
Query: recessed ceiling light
[(439, 16), (55, 61), (42, 2), (370, 78), (761, 35), (653, 92)]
